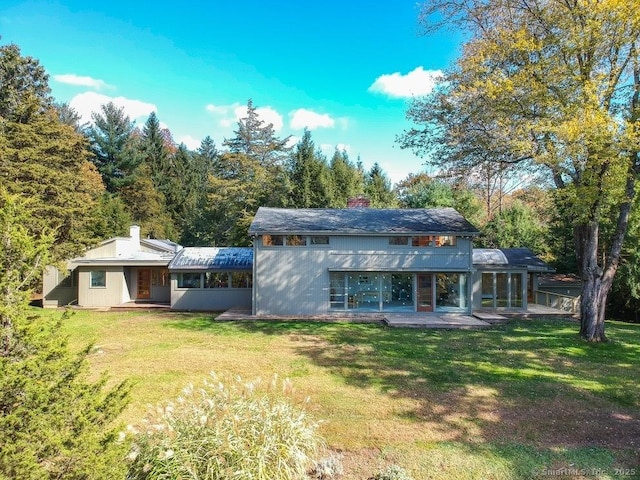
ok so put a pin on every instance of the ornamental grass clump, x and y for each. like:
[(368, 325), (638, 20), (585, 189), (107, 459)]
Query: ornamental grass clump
[(227, 429)]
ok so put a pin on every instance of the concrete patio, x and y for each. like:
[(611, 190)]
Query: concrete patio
[(480, 319)]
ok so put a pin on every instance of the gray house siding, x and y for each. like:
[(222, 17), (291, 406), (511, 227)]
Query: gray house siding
[(208, 299), (295, 280), (55, 291), (114, 292)]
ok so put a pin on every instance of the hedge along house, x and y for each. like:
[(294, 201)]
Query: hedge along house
[(210, 278), (118, 271), (318, 261)]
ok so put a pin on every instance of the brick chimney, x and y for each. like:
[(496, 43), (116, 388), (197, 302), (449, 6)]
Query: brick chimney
[(359, 201)]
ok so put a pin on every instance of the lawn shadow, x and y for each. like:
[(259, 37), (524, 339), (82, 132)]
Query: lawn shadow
[(530, 383)]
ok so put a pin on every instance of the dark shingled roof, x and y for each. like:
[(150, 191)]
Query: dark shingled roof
[(213, 258), (360, 221), (509, 257)]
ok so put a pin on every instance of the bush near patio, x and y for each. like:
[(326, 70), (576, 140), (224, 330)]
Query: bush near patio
[(504, 403)]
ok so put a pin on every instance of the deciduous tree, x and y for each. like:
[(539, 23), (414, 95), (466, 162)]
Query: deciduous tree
[(558, 83)]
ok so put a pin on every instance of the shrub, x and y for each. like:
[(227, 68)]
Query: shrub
[(392, 472), (227, 429), (327, 468), (54, 422)]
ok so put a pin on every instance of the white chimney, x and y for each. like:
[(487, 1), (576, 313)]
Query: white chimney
[(134, 234)]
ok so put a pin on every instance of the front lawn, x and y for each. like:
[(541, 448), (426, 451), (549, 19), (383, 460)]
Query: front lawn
[(519, 401)]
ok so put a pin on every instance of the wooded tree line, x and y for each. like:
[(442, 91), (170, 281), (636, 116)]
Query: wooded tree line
[(90, 182)]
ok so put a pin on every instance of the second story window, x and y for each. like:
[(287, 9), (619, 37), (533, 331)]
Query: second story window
[(422, 241), (398, 240), (445, 241), (296, 240), (272, 240)]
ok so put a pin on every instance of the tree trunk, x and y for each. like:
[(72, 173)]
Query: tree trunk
[(594, 290)]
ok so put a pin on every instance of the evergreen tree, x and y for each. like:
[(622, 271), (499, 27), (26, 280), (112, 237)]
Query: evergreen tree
[(109, 135), (146, 205), (257, 140), (347, 180), (154, 150), (69, 116), (53, 423), (43, 158), (238, 187), (47, 161), (197, 228), (112, 217), (309, 176), (22, 81), (378, 188)]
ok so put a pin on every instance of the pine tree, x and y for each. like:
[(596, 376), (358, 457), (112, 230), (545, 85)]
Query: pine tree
[(378, 188), (309, 175), (346, 179), (22, 81), (109, 135), (257, 140), (47, 161)]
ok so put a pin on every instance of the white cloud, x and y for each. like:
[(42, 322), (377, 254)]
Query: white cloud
[(81, 81), (293, 141), (191, 142), (302, 118), (329, 148), (415, 83), (230, 114), (87, 103)]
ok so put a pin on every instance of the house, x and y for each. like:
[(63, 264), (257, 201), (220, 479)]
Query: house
[(319, 261), (311, 262), (119, 270), (211, 278)]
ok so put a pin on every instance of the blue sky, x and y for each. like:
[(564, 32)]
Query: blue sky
[(346, 70)]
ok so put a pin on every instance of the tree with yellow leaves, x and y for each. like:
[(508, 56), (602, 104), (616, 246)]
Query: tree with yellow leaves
[(554, 85)]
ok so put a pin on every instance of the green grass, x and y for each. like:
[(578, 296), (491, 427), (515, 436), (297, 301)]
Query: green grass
[(502, 403)]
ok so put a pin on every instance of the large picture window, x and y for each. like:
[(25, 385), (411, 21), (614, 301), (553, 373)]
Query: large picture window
[(189, 280), (451, 291), (241, 280), (98, 278), (216, 280), (503, 289), (160, 277)]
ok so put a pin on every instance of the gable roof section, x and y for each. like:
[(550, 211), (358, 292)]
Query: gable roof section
[(213, 258), (163, 245), (135, 259), (360, 221), (509, 258)]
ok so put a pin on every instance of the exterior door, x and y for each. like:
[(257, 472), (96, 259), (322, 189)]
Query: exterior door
[(144, 284), (425, 292)]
